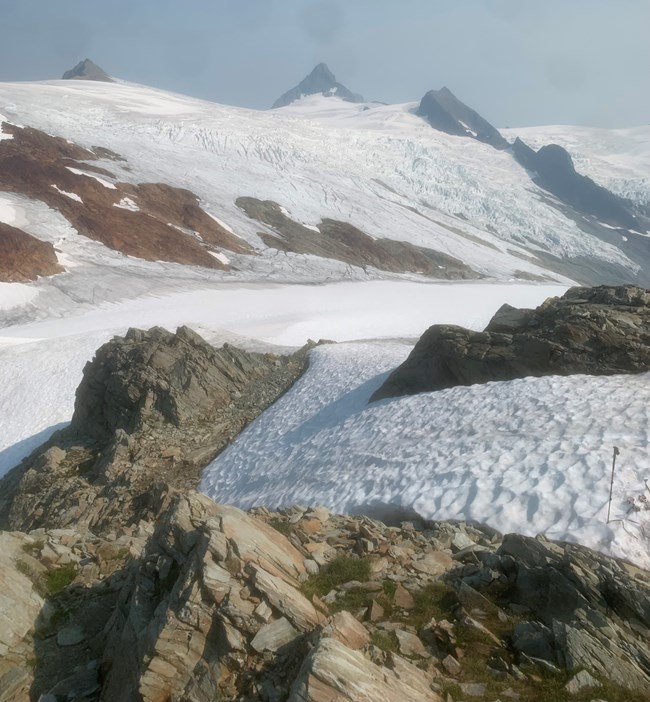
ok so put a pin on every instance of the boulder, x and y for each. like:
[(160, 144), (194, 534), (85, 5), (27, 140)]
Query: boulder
[(334, 672), (592, 331)]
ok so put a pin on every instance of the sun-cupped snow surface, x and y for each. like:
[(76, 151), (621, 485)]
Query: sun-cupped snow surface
[(383, 169), (41, 363), (531, 455)]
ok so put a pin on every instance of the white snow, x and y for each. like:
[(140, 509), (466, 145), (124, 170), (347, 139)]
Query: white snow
[(221, 223), (16, 295), (11, 213), (72, 196), (220, 257), (379, 167), (101, 181), (126, 203), (531, 455)]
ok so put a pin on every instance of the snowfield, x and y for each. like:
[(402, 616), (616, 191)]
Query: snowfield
[(530, 456)]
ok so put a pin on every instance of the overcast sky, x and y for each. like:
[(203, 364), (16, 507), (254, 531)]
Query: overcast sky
[(517, 62)]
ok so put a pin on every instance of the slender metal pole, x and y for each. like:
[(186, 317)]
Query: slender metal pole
[(611, 484)]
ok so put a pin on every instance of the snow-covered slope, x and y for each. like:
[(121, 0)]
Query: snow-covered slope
[(530, 456), (380, 168)]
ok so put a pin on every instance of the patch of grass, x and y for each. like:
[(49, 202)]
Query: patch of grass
[(389, 588), (385, 640), (33, 548), (58, 579), (280, 525), (341, 570), (437, 600)]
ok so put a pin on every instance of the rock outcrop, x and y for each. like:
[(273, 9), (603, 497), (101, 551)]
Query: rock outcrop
[(342, 241), (552, 169), (152, 221), (445, 112), (87, 70), (320, 81), (152, 410), (593, 331), (23, 257)]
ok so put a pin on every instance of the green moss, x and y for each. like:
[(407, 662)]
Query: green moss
[(437, 600), (58, 579), (33, 548), (341, 570), (385, 640), (280, 525)]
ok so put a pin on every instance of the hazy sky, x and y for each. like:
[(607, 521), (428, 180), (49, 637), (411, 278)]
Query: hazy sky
[(518, 62)]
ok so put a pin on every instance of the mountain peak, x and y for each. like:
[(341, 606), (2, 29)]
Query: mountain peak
[(87, 70), (320, 80), (445, 112), (322, 71)]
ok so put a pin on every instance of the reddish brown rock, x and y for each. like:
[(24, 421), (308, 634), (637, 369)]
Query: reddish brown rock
[(152, 221), (24, 257)]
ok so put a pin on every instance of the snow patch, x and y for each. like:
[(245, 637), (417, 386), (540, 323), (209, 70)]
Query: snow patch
[(101, 181), (126, 203), (72, 196), (221, 223), (220, 257)]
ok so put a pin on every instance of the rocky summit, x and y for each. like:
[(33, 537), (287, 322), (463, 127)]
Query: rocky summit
[(445, 112), (208, 602), (320, 81), (87, 70), (595, 331)]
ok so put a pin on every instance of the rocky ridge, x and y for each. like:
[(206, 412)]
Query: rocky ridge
[(593, 331), (342, 241), (152, 410)]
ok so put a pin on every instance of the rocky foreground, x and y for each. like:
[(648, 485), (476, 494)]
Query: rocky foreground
[(120, 583), (209, 602)]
